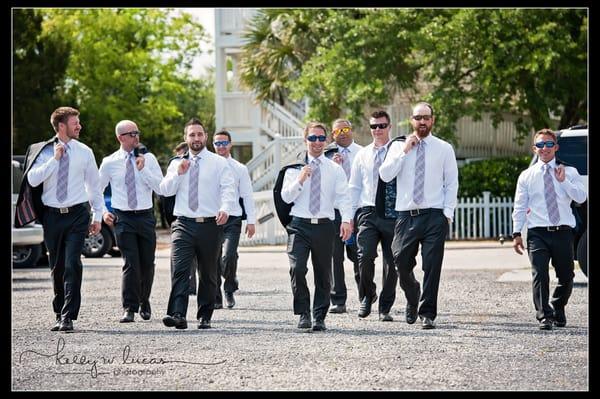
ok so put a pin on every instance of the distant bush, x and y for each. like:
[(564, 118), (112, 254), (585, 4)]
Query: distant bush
[(497, 175)]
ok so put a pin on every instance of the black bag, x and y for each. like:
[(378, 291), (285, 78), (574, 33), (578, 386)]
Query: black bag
[(390, 189), (282, 208)]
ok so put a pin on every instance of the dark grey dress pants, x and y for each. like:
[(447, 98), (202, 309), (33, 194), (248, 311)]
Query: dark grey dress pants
[(228, 256)]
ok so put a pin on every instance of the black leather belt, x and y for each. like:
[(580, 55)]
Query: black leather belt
[(366, 209), (313, 220), (199, 219), (66, 209), (552, 228), (140, 211), (417, 212)]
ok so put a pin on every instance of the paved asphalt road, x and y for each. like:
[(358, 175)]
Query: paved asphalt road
[(486, 336)]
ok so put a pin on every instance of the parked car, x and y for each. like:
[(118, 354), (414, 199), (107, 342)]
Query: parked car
[(572, 150), (27, 241), (105, 242)]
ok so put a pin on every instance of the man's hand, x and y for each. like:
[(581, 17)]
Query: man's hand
[(59, 150), (518, 245), (304, 174), (139, 162), (559, 173), (250, 230), (222, 218), (345, 231), (94, 228), (337, 158), (108, 218), (410, 143), (183, 166)]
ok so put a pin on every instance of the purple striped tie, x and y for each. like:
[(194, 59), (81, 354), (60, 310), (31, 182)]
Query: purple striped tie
[(130, 182), (315, 187), (376, 164), (419, 187), (550, 196), (62, 184), (193, 184), (346, 162)]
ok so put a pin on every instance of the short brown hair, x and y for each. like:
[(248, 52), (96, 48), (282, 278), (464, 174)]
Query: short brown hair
[(381, 114), (62, 115), (312, 125), (193, 121), (544, 131), (224, 133)]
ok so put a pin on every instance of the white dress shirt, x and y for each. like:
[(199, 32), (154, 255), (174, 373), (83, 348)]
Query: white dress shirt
[(441, 175), (216, 189), (243, 189), (530, 203), (113, 171), (83, 173), (362, 187), (333, 186), (353, 150)]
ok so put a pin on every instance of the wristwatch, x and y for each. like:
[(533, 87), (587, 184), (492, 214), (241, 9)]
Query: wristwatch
[(515, 235)]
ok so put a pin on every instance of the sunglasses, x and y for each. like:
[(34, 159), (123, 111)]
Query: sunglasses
[(541, 144), (133, 133), (341, 130), (419, 117), (314, 138), (223, 143), (379, 126)]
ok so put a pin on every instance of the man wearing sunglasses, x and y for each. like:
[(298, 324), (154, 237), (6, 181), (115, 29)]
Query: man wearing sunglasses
[(372, 226), (203, 185), (132, 177), (427, 185), (345, 152), (314, 189), (543, 201), (244, 208)]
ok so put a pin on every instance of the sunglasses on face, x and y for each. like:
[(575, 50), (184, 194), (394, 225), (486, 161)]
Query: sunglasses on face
[(223, 143), (541, 144), (419, 117), (314, 138), (341, 130), (379, 126), (133, 133)]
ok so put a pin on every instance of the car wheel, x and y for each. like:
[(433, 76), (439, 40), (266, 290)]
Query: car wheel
[(26, 255), (582, 253), (98, 245)]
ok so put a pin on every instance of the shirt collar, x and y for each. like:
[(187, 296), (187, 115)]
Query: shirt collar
[(552, 163)]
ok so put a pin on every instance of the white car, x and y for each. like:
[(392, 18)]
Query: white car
[(27, 241)]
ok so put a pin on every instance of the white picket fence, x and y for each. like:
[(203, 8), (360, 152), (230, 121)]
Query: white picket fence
[(484, 217)]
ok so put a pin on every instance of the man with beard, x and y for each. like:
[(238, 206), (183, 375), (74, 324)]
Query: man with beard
[(67, 170), (132, 177), (427, 185), (313, 190), (203, 185)]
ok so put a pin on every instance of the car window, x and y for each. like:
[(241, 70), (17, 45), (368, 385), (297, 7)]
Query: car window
[(573, 151)]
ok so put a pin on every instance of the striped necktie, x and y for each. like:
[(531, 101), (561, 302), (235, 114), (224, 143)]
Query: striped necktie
[(346, 162), (550, 196), (419, 186), (130, 182), (376, 164), (62, 184), (315, 187), (193, 184)]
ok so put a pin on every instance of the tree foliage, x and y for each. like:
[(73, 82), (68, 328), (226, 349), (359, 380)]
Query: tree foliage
[(129, 64), (498, 176), (529, 62)]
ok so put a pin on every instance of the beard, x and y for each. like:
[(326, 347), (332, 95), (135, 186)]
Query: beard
[(197, 146)]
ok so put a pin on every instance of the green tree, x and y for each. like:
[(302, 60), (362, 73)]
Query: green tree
[(128, 64), (39, 65)]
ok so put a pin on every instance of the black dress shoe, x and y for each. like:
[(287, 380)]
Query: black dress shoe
[(427, 323), (560, 319), (304, 321), (57, 324), (66, 324), (127, 317), (411, 314), (337, 309), (385, 317), (546, 324), (319, 325), (218, 305), (145, 315), (365, 307), (230, 299), (177, 321), (204, 323)]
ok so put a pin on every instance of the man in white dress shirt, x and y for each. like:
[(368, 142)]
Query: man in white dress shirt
[(341, 131), (204, 190), (543, 201), (427, 181), (132, 177), (228, 256), (67, 170)]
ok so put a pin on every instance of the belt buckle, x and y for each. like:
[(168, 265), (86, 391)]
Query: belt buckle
[(63, 210), (553, 228), (414, 212), (314, 221), (199, 220)]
